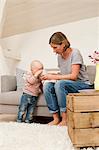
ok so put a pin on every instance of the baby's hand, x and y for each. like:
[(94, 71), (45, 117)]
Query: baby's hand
[(38, 73)]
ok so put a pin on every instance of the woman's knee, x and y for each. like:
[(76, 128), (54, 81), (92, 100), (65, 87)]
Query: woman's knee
[(59, 85), (62, 85), (47, 86)]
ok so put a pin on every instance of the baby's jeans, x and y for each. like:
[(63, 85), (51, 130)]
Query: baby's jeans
[(27, 105)]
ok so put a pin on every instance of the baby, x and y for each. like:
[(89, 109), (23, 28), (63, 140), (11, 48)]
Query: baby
[(31, 91)]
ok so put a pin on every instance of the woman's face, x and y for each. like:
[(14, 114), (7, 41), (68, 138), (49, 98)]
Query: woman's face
[(58, 49)]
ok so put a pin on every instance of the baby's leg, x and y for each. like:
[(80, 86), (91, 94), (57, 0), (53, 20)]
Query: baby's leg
[(30, 109), (22, 108)]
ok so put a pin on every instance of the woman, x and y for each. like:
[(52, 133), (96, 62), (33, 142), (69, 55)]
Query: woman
[(72, 78)]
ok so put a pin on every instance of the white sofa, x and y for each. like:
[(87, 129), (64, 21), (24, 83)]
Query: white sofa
[(10, 96)]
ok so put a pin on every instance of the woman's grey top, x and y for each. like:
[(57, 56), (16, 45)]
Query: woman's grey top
[(65, 65)]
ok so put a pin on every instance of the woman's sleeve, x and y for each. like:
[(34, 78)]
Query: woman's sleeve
[(77, 58)]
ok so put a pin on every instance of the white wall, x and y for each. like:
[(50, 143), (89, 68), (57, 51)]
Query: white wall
[(83, 34), (3, 66), (2, 14), (7, 66)]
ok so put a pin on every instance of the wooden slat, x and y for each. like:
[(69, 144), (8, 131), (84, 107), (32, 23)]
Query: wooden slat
[(87, 92), (83, 103), (84, 137), (83, 120)]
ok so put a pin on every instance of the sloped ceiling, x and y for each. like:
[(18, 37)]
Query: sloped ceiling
[(28, 15)]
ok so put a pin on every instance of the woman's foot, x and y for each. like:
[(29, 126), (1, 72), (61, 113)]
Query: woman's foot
[(63, 123), (54, 122), (64, 119), (56, 119)]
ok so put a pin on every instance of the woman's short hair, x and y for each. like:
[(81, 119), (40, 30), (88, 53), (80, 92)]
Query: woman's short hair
[(59, 38)]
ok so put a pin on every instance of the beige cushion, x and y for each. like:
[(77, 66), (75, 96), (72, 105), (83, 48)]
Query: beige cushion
[(8, 83), (19, 78), (11, 98), (91, 73)]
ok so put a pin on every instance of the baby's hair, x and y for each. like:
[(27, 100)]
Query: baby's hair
[(36, 63)]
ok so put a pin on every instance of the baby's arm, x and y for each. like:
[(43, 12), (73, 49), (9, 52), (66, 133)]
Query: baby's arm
[(38, 73), (29, 78)]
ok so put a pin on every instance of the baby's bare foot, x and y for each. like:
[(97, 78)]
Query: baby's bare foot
[(54, 122)]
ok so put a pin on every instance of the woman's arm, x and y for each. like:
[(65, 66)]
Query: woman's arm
[(72, 76)]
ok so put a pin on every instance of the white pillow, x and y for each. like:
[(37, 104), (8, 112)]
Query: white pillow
[(19, 77)]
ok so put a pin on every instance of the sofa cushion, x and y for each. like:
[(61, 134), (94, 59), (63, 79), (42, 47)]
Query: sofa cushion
[(8, 117), (41, 101), (8, 83), (42, 111), (19, 78), (10, 98), (13, 98), (8, 109)]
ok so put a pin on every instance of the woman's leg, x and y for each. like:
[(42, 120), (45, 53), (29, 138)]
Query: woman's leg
[(62, 88), (51, 99), (61, 97)]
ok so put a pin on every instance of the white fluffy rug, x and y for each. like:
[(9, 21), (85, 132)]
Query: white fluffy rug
[(22, 136)]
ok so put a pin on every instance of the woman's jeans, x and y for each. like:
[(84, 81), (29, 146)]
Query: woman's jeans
[(27, 105), (55, 93)]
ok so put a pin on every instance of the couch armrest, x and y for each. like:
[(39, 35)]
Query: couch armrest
[(91, 70), (8, 83)]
